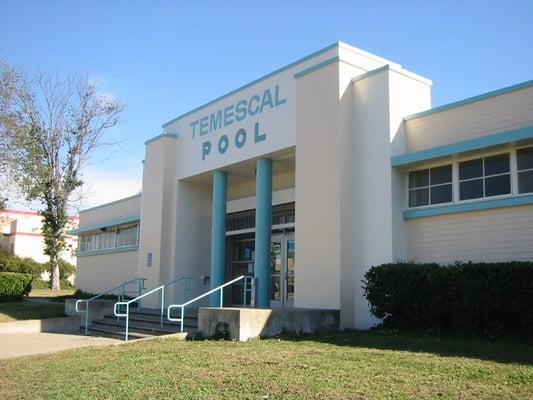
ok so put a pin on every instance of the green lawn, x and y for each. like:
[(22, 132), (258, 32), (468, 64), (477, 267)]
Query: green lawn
[(24, 310), (336, 366)]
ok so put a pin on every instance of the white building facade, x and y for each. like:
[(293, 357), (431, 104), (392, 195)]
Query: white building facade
[(309, 176), (21, 235)]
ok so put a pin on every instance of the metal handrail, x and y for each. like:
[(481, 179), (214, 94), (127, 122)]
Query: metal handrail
[(121, 296), (188, 285), (188, 303)]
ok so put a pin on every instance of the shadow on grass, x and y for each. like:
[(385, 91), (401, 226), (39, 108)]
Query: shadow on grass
[(25, 310), (508, 350)]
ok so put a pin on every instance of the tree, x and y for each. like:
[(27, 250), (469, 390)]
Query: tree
[(50, 129)]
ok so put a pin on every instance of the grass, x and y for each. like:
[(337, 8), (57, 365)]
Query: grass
[(25, 310), (348, 365), (51, 294)]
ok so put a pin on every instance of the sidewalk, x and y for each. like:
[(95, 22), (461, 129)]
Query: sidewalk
[(25, 344)]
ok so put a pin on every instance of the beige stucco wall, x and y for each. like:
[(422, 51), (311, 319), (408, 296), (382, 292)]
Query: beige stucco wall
[(157, 210), (97, 273), (110, 211), (502, 234), (494, 114), (100, 271)]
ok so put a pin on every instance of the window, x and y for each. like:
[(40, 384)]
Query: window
[(524, 163), (281, 214), (430, 186), (109, 238), (484, 177), (127, 236)]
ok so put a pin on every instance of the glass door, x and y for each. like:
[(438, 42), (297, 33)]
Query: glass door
[(282, 268)]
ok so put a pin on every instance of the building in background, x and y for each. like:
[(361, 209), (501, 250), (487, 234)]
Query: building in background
[(307, 177), (22, 236)]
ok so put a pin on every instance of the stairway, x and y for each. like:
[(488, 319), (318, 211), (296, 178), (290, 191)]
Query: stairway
[(144, 323)]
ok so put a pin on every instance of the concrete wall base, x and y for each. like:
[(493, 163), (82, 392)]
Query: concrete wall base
[(97, 310), (67, 324), (246, 323)]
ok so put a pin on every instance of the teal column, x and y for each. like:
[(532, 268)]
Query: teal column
[(263, 231), (218, 233)]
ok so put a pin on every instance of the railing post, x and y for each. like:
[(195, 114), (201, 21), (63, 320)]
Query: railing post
[(127, 320), (182, 318), (86, 318), (162, 305)]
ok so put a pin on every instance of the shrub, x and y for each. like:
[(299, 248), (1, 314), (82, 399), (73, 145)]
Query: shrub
[(25, 265), (65, 269), (14, 286), (482, 298)]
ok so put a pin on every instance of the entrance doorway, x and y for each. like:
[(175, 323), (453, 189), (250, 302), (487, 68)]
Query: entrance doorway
[(282, 270)]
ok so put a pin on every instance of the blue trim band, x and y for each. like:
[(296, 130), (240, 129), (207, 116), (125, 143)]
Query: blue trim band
[(163, 135), (106, 224), (471, 206), (317, 66), (317, 53), (488, 95), (467, 145), (107, 251)]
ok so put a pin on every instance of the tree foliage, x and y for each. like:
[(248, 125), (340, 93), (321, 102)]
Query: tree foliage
[(50, 128)]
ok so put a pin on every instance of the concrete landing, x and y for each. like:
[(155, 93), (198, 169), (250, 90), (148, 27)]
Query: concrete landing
[(247, 323)]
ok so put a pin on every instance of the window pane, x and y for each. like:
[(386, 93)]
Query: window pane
[(471, 189), (441, 194), (419, 197), (471, 169), (525, 182), (441, 174), (418, 178), (525, 158), (497, 185), (497, 164), (127, 236)]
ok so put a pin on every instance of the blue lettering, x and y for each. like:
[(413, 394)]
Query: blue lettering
[(257, 137), (204, 125), (206, 149), (215, 121), (240, 138), (223, 144), (267, 100), (193, 126), (253, 111), (228, 115), (240, 110), (279, 101)]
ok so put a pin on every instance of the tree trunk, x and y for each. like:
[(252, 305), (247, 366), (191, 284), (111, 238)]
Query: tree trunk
[(54, 267)]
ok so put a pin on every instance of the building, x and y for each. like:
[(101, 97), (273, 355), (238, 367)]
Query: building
[(307, 177), (21, 236)]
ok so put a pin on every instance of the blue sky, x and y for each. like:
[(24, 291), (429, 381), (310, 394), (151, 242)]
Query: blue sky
[(163, 58)]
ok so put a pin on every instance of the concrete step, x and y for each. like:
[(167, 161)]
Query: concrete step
[(142, 324)]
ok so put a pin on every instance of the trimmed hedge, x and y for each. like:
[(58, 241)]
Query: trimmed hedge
[(14, 286), (479, 298)]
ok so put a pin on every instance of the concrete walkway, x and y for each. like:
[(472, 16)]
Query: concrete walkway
[(31, 343)]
